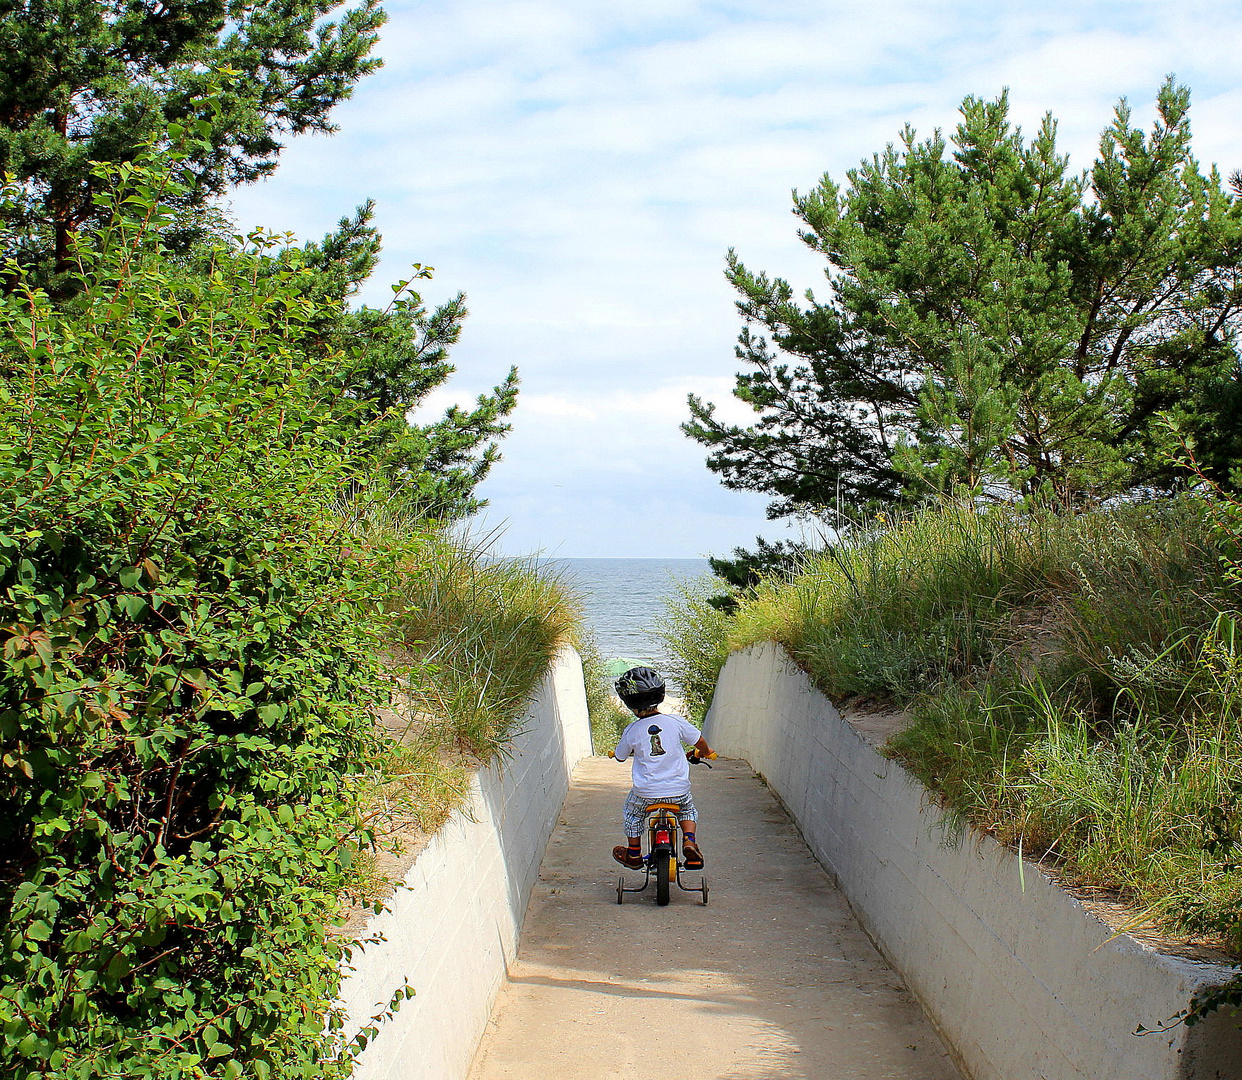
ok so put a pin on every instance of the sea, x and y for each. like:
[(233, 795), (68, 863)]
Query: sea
[(624, 599)]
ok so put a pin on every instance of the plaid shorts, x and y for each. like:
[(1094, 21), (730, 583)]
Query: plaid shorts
[(636, 810)]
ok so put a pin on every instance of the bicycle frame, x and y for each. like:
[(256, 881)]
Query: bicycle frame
[(661, 860)]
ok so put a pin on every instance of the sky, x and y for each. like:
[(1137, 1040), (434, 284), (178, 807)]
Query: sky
[(580, 168)]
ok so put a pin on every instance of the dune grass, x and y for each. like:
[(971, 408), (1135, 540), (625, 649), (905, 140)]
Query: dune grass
[(485, 631), (488, 630), (469, 638), (608, 716), (1075, 682)]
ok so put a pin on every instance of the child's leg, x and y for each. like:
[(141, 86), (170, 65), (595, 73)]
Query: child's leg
[(635, 813), (689, 833), (688, 814)]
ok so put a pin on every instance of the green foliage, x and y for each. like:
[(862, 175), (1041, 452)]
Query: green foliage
[(89, 82), (608, 716), (746, 569), (107, 82), (995, 324), (1146, 806), (488, 629), (1215, 430), (470, 635), (694, 629), (902, 604), (1206, 1002), (188, 657)]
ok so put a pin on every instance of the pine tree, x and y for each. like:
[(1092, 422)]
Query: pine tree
[(224, 83), (395, 357), (97, 80), (994, 324)]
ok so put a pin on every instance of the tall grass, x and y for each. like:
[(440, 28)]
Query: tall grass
[(486, 631), (608, 716), (1148, 807), (1075, 682), (470, 638), (907, 605)]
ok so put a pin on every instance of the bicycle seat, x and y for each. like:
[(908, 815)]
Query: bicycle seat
[(676, 808)]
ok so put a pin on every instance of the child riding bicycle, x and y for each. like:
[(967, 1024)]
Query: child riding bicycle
[(660, 772)]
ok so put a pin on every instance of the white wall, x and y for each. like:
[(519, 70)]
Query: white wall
[(1021, 980), (454, 927)]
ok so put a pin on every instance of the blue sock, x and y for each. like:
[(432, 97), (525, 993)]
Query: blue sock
[(689, 835)]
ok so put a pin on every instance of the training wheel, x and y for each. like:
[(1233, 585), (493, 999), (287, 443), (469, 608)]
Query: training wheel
[(705, 891), (621, 889)]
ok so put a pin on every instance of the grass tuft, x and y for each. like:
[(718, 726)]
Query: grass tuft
[(696, 635), (485, 631)]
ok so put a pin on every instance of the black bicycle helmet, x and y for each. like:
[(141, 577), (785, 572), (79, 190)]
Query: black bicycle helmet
[(640, 688)]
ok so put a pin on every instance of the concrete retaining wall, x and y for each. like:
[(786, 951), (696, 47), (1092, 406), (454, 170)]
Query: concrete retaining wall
[(1021, 980), (454, 927)]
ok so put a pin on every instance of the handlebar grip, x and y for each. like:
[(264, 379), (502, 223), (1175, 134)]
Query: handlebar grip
[(612, 755), (712, 755)]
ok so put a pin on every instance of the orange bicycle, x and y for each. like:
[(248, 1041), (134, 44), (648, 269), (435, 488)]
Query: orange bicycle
[(661, 861)]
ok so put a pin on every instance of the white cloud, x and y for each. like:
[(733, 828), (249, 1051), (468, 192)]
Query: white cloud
[(557, 407)]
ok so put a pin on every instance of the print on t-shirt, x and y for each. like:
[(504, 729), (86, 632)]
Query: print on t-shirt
[(660, 770), (656, 748)]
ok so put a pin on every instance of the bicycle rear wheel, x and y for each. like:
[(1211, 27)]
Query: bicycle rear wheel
[(662, 862)]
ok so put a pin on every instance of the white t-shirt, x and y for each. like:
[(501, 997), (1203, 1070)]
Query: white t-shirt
[(660, 768)]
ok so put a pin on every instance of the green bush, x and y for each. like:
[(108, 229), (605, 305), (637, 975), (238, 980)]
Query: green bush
[(188, 654)]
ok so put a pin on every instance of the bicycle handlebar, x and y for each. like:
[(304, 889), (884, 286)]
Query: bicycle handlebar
[(692, 756)]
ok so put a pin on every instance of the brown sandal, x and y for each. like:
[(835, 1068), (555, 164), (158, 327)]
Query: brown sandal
[(694, 857), (622, 855)]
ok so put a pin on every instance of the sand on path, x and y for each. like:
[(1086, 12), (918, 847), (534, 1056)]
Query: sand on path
[(772, 980)]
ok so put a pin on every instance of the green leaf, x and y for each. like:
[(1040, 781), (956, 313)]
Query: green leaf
[(133, 606)]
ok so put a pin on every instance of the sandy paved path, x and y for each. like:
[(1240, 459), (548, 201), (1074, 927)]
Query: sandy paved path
[(773, 980)]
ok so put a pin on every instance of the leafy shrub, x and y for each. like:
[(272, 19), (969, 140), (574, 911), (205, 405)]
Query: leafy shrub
[(188, 654)]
